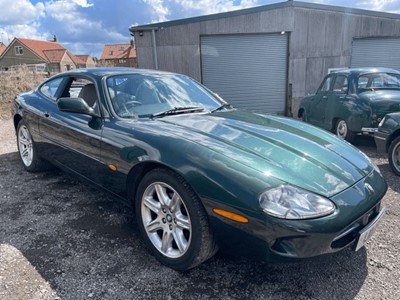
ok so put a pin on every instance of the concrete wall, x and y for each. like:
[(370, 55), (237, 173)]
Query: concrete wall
[(319, 39)]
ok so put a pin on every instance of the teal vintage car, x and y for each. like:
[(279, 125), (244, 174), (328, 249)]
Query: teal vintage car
[(201, 175), (352, 101)]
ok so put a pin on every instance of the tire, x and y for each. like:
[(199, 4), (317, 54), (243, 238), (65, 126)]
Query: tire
[(27, 150), (394, 155), (175, 228), (343, 131)]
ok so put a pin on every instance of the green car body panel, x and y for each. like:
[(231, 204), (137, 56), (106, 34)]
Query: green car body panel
[(228, 158), (361, 108)]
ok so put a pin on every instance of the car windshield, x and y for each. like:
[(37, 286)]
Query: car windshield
[(137, 95), (379, 81)]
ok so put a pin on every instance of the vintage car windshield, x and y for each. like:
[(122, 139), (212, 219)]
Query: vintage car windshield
[(378, 81), (138, 95)]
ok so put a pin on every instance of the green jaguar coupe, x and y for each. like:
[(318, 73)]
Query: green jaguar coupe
[(200, 174), (351, 101)]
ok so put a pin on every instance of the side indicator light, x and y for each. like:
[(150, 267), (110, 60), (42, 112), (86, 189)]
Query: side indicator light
[(230, 215), (112, 168)]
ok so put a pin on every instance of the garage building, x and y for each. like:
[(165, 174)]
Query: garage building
[(265, 59)]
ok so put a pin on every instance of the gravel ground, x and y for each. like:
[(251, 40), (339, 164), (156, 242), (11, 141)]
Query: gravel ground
[(60, 238)]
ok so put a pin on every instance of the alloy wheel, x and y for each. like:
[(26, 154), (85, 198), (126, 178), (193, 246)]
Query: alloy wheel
[(166, 220), (25, 145)]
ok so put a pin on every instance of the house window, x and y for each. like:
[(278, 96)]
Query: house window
[(122, 61), (122, 49), (19, 50), (111, 52)]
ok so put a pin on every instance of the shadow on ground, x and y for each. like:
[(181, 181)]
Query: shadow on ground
[(86, 245)]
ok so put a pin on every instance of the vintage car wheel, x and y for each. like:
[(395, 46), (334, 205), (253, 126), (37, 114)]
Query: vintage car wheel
[(343, 131), (172, 221), (394, 155), (27, 150)]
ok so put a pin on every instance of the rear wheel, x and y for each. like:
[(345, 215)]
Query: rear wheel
[(27, 150), (343, 131), (394, 155), (172, 221)]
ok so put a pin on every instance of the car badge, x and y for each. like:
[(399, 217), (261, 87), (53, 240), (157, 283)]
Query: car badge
[(369, 189)]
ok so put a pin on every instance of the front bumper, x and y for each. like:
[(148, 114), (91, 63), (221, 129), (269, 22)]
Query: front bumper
[(381, 139), (369, 130), (273, 239)]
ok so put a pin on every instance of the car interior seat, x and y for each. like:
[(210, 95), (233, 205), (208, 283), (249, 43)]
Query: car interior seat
[(89, 94)]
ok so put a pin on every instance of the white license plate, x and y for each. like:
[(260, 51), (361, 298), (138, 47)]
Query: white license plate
[(369, 230)]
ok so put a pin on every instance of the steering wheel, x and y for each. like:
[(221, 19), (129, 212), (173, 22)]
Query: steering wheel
[(123, 104)]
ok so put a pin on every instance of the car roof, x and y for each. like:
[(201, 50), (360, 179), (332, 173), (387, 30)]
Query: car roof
[(359, 71), (101, 72)]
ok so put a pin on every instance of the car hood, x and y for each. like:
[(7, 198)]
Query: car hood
[(291, 151)]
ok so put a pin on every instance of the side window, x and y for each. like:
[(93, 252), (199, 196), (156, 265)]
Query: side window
[(50, 88), (85, 89), (326, 85), (341, 84)]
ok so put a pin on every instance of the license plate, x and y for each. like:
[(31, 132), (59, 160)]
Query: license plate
[(369, 230)]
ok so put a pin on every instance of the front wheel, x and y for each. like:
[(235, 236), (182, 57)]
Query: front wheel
[(394, 155), (27, 150), (343, 131), (172, 221)]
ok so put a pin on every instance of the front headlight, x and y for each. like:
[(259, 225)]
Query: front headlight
[(288, 202)]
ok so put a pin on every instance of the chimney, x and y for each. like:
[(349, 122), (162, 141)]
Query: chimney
[(55, 38), (132, 43)]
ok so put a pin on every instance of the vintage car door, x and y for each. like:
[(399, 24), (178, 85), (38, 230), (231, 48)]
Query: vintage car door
[(71, 139), (318, 105), (337, 102)]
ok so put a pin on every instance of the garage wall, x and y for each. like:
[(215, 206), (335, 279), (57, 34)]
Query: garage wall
[(320, 37), (257, 85), (376, 52)]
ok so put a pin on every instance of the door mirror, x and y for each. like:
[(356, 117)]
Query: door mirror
[(75, 105)]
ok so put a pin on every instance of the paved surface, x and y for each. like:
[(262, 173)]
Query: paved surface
[(60, 238)]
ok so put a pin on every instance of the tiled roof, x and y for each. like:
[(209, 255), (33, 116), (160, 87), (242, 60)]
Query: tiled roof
[(40, 47), (55, 55), (2, 48), (117, 51)]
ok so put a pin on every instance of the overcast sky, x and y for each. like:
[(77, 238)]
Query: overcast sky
[(84, 26)]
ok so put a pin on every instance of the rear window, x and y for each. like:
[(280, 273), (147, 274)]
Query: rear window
[(379, 81)]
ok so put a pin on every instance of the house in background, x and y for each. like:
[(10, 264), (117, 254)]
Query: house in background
[(119, 55), (38, 55), (85, 61), (2, 48)]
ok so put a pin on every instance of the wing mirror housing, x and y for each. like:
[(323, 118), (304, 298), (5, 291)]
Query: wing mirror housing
[(75, 105)]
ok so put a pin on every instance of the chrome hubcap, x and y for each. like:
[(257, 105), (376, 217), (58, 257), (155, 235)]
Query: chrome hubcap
[(25, 146), (396, 157), (341, 129), (166, 220)]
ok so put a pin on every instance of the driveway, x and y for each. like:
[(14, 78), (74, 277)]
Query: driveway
[(60, 238)]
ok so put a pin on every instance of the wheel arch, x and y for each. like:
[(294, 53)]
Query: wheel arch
[(137, 172), (17, 118), (301, 112)]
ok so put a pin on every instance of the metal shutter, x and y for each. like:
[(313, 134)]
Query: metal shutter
[(248, 71), (376, 52)]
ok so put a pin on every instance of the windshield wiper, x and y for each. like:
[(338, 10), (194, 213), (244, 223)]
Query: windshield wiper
[(223, 106), (177, 110)]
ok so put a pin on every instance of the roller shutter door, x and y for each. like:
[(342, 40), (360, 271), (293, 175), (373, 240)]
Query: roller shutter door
[(248, 71), (376, 52)]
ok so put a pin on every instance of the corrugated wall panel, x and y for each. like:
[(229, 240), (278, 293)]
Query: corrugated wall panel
[(248, 71), (376, 53)]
